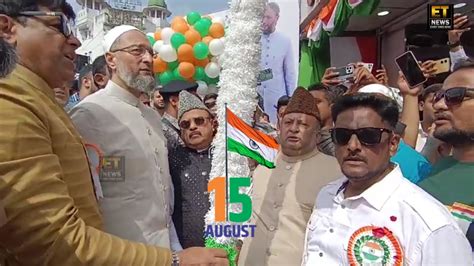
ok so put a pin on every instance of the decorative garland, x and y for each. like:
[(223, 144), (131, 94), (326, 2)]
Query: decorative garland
[(374, 245), (238, 89)]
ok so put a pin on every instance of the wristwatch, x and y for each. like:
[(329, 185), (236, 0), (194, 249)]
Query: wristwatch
[(175, 259), (454, 45)]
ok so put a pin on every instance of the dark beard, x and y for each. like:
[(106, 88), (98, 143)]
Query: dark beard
[(455, 137), (7, 58)]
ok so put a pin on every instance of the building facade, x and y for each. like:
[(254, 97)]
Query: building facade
[(97, 17)]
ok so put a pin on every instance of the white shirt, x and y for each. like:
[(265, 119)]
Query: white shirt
[(421, 140), (426, 231), (457, 57), (276, 55), (139, 206)]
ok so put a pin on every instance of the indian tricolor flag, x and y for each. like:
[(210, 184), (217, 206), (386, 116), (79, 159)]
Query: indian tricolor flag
[(464, 215), (248, 142)]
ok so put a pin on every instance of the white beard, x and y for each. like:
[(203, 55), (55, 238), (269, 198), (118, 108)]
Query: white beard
[(142, 83)]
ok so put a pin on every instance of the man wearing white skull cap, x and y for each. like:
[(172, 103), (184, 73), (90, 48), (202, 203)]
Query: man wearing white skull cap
[(135, 188)]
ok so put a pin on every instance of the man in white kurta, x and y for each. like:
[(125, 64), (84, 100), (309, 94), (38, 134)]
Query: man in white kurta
[(134, 176), (374, 215), (283, 197), (277, 56)]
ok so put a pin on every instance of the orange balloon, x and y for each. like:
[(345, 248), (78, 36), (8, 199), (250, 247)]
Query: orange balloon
[(177, 19), (159, 66), (181, 27), (207, 40), (185, 53), (216, 30), (201, 63), (157, 35), (192, 36), (186, 70)]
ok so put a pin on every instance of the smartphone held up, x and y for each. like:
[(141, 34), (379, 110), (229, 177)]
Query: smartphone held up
[(408, 65)]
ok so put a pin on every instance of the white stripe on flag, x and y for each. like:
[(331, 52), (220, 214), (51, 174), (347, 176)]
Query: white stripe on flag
[(268, 153)]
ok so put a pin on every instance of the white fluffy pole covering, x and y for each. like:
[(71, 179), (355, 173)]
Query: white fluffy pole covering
[(238, 87)]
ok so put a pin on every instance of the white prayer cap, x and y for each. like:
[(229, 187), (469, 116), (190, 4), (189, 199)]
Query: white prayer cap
[(114, 34), (390, 92)]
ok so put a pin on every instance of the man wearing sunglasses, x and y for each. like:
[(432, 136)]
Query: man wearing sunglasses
[(169, 121), (373, 215), (190, 166), (137, 199), (283, 197), (452, 178)]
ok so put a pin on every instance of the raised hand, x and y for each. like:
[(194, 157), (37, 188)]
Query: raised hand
[(382, 76), (460, 23), (330, 77)]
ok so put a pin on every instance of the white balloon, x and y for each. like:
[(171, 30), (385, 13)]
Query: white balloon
[(168, 53), (157, 46), (216, 47), (166, 34), (212, 70), (202, 89), (218, 20)]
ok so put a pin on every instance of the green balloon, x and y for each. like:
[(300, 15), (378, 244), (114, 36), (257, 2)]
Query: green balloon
[(176, 75), (151, 39), (201, 51), (166, 77), (202, 27), (212, 81), (207, 21), (173, 65), (193, 17), (177, 39), (200, 74)]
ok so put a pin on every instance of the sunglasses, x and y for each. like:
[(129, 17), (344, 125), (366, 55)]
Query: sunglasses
[(64, 26), (368, 136), (452, 96), (198, 121)]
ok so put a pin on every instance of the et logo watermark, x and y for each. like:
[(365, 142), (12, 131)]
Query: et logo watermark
[(221, 210), (440, 17)]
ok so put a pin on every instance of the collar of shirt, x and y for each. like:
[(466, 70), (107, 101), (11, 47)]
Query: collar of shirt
[(122, 94), (294, 159), (421, 132), (172, 120), (378, 193), (25, 75)]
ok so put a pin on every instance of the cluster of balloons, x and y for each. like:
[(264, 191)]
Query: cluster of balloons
[(189, 49)]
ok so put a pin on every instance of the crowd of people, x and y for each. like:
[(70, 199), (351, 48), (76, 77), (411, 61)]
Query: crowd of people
[(360, 178)]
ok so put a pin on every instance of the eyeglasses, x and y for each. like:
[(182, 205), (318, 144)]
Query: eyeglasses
[(368, 136), (452, 96), (135, 50), (64, 26), (198, 121)]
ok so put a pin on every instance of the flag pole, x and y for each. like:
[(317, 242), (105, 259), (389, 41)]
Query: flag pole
[(226, 169)]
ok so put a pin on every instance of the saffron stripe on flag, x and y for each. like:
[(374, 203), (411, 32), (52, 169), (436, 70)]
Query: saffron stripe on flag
[(251, 133), (459, 207)]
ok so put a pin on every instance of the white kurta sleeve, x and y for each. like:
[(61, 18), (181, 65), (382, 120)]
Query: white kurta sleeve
[(457, 56), (289, 70), (446, 246)]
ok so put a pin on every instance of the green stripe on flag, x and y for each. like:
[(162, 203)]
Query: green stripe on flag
[(243, 150), (462, 217)]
